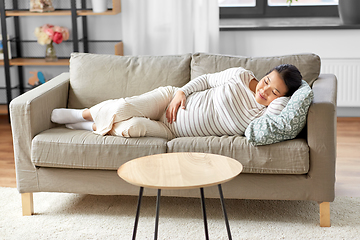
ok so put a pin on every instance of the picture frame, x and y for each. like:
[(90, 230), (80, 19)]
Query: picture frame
[(1, 48)]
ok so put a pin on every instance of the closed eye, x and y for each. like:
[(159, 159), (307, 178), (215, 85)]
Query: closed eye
[(267, 80)]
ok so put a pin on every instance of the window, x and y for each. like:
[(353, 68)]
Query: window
[(237, 3), (277, 8), (303, 2)]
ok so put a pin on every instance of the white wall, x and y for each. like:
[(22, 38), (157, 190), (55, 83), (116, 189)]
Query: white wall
[(325, 43), (331, 45)]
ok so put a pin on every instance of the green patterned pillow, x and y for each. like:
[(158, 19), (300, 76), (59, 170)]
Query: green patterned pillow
[(270, 128)]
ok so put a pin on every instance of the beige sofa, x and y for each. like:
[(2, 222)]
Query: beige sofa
[(51, 158)]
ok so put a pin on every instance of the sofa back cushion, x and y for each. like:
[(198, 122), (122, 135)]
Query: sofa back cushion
[(308, 64), (96, 77)]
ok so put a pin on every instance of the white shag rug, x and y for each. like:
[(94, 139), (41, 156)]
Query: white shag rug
[(77, 216)]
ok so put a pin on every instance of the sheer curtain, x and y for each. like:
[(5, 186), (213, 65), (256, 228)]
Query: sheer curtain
[(165, 27)]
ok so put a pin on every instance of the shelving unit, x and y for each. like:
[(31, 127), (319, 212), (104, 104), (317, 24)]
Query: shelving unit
[(20, 61), (80, 12), (37, 62)]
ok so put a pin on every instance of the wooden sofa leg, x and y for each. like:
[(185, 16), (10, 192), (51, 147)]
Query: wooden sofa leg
[(27, 204), (324, 214)]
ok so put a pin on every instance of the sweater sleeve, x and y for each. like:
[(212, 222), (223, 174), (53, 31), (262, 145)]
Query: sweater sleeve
[(246, 76), (207, 81), (196, 85), (277, 105)]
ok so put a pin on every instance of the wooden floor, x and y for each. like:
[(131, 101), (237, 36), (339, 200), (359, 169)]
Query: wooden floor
[(347, 165), (7, 165), (348, 157)]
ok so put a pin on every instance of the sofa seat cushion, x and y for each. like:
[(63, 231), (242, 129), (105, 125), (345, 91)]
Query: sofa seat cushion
[(65, 148), (288, 157)]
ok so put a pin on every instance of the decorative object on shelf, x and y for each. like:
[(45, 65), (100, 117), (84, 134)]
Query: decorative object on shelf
[(41, 6), (50, 53), (349, 11), (2, 49), (99, 6), (49, 34), (36, 79)]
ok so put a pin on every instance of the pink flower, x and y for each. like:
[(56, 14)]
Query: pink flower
[(57, 28), (45, 26), (57, 37), (49, 31), (65, 33)]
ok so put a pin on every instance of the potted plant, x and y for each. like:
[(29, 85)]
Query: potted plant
[(349, 11), (290, 1), (99, 6)]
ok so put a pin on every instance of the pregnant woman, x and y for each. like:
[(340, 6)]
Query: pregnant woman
[(217, 104)]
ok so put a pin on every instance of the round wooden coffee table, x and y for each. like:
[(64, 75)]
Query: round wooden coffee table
[(180, 171)]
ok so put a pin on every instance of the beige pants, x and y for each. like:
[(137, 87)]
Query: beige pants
[(138, 116)]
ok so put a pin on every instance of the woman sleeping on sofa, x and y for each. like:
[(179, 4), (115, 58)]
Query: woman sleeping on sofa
[(217, 104)]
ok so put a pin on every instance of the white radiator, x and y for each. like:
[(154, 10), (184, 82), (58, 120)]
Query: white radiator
[(347, 72)]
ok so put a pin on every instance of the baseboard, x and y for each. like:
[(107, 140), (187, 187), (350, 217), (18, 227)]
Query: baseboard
[(348, 111)]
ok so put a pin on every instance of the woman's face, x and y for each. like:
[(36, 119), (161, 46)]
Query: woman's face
[(269, 88)]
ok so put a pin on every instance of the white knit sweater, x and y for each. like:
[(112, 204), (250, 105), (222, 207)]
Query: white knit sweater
[(218, 104)]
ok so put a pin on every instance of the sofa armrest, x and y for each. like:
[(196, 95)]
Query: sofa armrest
[(321, 133), (30, 114)]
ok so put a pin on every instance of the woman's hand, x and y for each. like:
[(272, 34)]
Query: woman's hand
[(179, 100)]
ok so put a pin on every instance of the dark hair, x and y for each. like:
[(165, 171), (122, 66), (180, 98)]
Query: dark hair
[(291, 76)]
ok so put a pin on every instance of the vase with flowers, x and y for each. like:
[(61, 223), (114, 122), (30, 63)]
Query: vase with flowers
[(49, 34)]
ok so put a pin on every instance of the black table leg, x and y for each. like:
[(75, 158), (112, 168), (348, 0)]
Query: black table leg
[(157, 214), (224, 211), (137, 212), (204, 213)]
